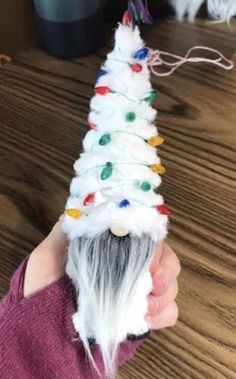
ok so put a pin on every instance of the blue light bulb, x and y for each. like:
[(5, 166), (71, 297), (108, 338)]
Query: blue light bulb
[(141, 54), (124, 203), (101, 73)]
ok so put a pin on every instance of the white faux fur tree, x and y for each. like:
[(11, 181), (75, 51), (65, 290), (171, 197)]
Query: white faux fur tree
[(114, 217)]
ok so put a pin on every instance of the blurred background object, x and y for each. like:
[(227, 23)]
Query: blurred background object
[(159, 9), (17, 26), (220, 10), (70, 28), (21, 27), (75, 27)]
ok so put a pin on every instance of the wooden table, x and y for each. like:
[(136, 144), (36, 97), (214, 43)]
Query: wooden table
[(44, 104)]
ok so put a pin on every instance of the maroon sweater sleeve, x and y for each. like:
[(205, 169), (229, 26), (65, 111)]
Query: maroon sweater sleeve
[(37, 337)]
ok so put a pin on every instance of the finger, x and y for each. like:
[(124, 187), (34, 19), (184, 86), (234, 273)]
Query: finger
[(168, 317), (156, 304), (155, 262), (56, 240), (61, 217), (46, 262), (169, 269)]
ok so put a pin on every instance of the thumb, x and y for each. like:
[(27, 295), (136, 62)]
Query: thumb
[(46, 262), (56, 241)]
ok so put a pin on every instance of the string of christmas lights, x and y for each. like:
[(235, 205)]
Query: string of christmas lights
[(77, 213), (104, 90), (107, 170), (106, 138), (141, 54), (129, 116)]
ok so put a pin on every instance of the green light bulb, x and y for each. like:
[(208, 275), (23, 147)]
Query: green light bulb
[(152, 96), (145, 186), (107, 171), (105, 139), (130, 116)]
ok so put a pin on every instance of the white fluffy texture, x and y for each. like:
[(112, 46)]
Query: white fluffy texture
[(128, 151), (130, 323), (222, 10), (113, 118), (102, 315), (127, 42)]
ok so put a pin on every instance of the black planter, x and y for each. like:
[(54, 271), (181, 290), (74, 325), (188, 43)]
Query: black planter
[(70, 28)]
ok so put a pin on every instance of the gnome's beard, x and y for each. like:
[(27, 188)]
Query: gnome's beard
[(112, 279)]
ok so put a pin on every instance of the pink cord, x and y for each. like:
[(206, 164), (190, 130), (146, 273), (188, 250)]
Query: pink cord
[(156, 58)]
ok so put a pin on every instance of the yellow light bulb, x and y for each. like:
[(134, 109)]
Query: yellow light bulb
[(158, 168), (74, 213), (155, 141)]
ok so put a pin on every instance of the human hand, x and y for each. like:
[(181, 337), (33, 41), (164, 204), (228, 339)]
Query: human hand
[(47, 262), (162, 308)]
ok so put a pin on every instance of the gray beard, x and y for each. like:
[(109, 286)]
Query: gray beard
[(106, 271)]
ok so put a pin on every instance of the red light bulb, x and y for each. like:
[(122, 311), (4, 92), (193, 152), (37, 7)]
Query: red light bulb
[(102, 90), (89, 199), (162, 209), (136, 67), (91, 125), (126, 20)]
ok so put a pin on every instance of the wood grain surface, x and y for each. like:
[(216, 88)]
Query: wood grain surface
[(44, 104)]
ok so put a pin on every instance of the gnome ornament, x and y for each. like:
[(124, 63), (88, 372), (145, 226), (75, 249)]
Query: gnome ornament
[(220, 10), (114, 217)]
